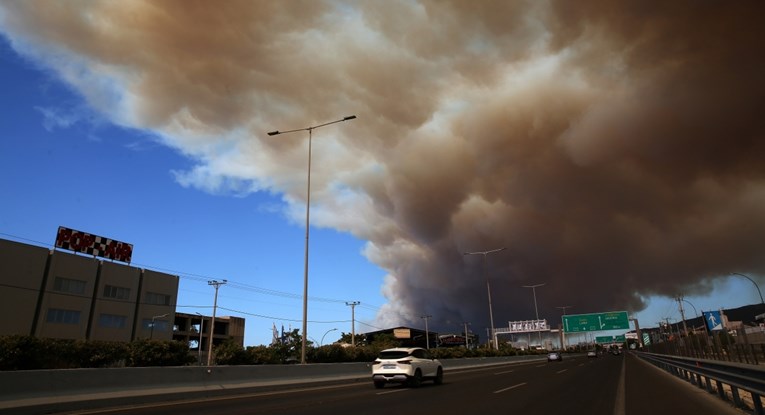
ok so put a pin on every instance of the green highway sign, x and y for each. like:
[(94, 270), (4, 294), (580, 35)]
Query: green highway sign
[(614, 320), (610, 339)]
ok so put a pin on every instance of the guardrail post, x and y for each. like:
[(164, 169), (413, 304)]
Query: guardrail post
[(736, 398), (721, 391), (757, 401)]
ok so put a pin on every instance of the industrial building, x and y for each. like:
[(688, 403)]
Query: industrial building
[(56, 294)]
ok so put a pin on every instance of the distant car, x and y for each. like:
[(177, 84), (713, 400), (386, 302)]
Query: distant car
[(554, 357), (592, 353), (406, 365)]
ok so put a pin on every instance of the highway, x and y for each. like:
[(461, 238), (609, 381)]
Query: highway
[(607, 385)]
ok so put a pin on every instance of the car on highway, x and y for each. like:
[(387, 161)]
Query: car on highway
[(592, 353), (406, 365), (554, 357)]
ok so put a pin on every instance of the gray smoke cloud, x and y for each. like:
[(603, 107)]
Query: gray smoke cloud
[(614, 148)]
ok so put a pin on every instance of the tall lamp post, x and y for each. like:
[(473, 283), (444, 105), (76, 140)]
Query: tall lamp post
[(307, 216), (427, 333), (755, 284), (534, 290), (488, 290), (217, 285), (322, 337), (151, 333), (201, 330)]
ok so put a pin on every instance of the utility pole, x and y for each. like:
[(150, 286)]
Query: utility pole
[(217, 285), (466, 335), (679, 299), (427, 333), (353, 305)]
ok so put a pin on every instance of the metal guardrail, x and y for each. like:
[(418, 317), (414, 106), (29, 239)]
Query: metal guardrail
[(716, 377)]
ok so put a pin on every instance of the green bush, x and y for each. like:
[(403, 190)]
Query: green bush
[(29, 353), (231, 353), (146, 352)]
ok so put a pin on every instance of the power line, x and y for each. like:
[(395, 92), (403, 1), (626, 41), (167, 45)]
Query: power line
[(232, 284)]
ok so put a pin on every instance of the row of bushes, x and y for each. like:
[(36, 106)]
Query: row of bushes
[(26, 353)]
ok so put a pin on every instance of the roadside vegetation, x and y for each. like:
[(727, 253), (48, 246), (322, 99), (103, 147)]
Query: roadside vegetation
[(30, 353)]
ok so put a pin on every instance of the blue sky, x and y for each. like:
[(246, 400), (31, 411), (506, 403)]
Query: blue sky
[(153, 133), (80, 171)]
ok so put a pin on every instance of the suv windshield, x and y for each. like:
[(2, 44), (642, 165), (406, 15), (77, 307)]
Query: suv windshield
[(393, 354)]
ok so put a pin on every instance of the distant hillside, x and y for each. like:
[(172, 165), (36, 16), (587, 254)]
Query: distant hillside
[(744, 314)]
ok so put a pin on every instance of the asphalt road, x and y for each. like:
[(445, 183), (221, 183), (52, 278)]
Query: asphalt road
[(608, 385)]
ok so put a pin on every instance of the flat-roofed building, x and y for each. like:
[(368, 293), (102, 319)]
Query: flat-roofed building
[(55, 294)]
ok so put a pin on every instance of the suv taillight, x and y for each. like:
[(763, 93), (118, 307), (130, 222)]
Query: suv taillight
[(405, 362)]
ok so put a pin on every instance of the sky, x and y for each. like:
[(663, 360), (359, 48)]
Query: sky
[(614, 149)]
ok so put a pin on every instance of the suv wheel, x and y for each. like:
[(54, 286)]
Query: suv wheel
[(416, 380), (439, 377)]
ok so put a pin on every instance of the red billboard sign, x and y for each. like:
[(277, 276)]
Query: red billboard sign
[(95, 245)]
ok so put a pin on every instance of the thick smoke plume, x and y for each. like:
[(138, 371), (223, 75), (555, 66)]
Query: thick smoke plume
[(614, 148)]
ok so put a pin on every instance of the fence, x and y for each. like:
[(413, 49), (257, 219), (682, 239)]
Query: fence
[(730, 346)]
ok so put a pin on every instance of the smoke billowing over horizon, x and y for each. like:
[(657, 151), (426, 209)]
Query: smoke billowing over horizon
[(615, 149)]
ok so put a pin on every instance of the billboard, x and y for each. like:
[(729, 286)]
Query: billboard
[(402, 333), (95, 245), (527, 326)]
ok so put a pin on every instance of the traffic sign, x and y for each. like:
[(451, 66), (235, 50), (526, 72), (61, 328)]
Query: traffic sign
[(614, 320), (714, 320), (610, 339)]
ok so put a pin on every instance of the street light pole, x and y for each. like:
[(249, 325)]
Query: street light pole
[(488, 290), (353, 305), (322, 337), (307, 220), (217, 285), (151, 333), (755, 284), (427, 333), (201, 330), (466, 335), (534, 290)]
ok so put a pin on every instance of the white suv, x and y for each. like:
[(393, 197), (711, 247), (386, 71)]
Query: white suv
[(410, 365)]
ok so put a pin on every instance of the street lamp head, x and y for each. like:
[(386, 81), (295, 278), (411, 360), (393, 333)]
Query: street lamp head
[(350, 117), (273, 133)]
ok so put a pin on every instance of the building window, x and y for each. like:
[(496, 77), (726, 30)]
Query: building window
[(112, 321), (120, 293), (157, 299), (59, 316), (67, 285)]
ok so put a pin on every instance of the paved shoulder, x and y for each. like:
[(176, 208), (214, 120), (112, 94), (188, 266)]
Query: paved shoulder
[(649, 389)]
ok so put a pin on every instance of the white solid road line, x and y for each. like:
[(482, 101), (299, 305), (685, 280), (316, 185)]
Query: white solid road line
[(511, 387)]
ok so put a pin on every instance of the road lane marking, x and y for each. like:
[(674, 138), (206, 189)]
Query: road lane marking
[(392, 391), (511, 387), (561, 371), (619, 404), (502, 373)]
